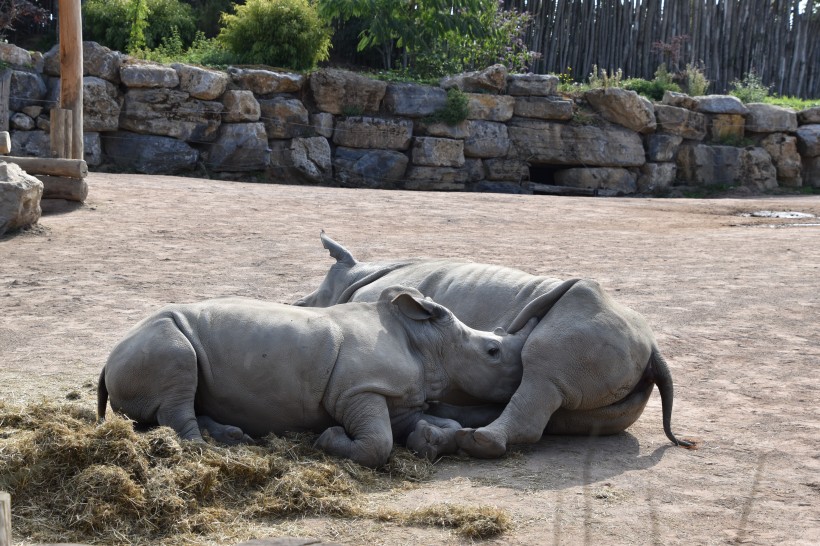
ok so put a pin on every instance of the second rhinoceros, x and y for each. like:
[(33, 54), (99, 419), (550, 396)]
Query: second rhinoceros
[(589, 366), (362, 373)]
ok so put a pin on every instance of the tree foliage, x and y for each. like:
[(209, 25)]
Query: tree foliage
[(12, 11), (286, 33), (118, 23)]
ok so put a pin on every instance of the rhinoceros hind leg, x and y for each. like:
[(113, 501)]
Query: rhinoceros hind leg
[(224, 434), (182, 420), (367, 435)]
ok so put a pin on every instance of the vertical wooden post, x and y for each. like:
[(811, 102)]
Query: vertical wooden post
[(5, 92), (61, 133), (5, 519), (71, 70)]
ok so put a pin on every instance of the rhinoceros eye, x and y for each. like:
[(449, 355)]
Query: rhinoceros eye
[(494, 351)]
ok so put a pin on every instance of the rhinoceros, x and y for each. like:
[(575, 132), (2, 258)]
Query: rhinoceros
[(240, 367), (589, 365)]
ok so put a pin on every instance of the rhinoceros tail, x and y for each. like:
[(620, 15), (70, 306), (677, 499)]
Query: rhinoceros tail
[(102, 397), (663, 379)]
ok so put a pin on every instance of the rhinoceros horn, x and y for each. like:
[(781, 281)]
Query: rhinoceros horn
[(337, 251)]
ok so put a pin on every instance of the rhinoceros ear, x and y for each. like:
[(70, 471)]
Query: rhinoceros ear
[(417, 308), (337, 251)]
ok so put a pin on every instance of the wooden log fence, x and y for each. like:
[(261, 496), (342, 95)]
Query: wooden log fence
[(777, 39)]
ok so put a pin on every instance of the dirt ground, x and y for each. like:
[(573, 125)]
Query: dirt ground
[(734, 301)]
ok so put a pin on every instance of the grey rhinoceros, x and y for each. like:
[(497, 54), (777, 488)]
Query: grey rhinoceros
[(238, 366), (589, 365)]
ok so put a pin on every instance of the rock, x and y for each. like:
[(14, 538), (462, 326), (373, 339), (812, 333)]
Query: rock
[(757, 169), (437, 152), (787, 162), (486, 139), (26, 89), (311, 158), (808, 140), (809, 116), (149, 154), (32, 111), (43, 123), (62, 187), (169, 113), (322, 123), (31, 143), (148, 75), (515, 170), (623, 107), (811, 171), (98, 61), (490, 107), (21, 122), (378, 133), (370, 168), (681, 122), (284, 117), (726, 165), (768, 118), (5, 142), (15, 56), (239, 147), (413, 100), (199, 82), (532, 85), (101, 105), (680, 100), (240, 106), (492, 79), (543, 108), (265, 82), (342, 92), (501, 186), (726, 126), (619, 181), (445, 130), (560, 144), (92, 152), (20, 195), (656, 177), (661, 147), (422, 178), (721, 104)]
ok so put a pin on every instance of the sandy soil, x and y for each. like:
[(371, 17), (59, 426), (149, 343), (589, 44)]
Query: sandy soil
[(734, 301)]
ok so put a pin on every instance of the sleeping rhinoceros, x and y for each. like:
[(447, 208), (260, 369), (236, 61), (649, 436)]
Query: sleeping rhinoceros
[(589, 365), (235, 366)]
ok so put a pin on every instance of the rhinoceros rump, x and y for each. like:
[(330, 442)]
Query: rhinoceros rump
[(238, 366), (589, 365)]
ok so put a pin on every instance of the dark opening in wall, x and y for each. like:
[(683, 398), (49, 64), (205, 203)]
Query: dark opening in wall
[(544, 174)]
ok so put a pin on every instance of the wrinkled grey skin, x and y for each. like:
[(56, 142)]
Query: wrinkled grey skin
[(239, 367), (589, 365)]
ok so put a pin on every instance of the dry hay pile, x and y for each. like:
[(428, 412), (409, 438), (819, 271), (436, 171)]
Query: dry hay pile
[(71, 479)]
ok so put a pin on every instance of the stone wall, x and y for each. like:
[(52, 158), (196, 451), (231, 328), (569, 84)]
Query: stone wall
[(335, 127)]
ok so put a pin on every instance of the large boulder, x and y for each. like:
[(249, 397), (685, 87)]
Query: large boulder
[(201, 83), (342, 92), (809, 116), (492, 79), (20, 195), (486, 139), (768, 118), (148, 75), (285, 117), (239, 147), (679, 100), (98, 61), (532, 85), (437, 152), (721, 104), (370, 168), (656, 177), (149, 154), (783, 150), (608, 180), (414, 101), (369, 132), (662, 147), (505, 169), (700, 164), (170, 113), (490, 107), (14, 56), (266, 82), (681, 121), (724, 127), (311, 158), (811, 171), (808, 140), (543, 108), (444, 130), (35, 143), (101, 105), (21, 122), (240, 106), (424, 178), (26, 89), (623, 107), (561, 144)]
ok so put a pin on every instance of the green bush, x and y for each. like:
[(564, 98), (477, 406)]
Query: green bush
[(750, 88), (110, 22), (286, 33), (655, 88), (695, 80), (454, 111)]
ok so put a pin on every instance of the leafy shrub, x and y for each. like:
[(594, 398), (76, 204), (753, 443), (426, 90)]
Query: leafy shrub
[(655, 88), (286, 33), (603, 79), (455, 110), (111, 22), (695, 80), (750, 88)]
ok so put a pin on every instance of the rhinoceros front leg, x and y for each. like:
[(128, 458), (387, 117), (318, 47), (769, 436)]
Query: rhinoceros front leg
[(225, 434), (366, 436), (433, 437)]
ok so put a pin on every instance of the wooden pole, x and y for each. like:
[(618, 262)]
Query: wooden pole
[(5, 519), (5, 91), (62, 124), (71, 168), (71, 70)]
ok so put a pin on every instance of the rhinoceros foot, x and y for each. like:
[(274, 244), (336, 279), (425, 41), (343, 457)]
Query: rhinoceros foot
[(431, 442), (225, 434), (482, 442)]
